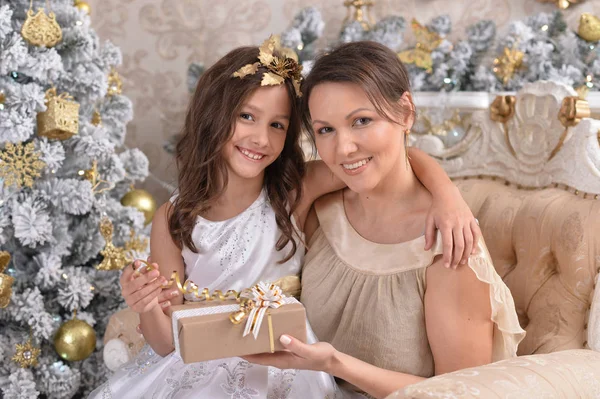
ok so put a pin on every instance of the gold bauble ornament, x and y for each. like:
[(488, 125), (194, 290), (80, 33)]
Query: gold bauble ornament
[(75, 340), (589, 27), (41, 29), (61, 118), (142, 201), (82, 5), (26, 355), (6, 281)]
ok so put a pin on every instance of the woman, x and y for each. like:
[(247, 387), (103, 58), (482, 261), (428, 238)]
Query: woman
[(388, 312)]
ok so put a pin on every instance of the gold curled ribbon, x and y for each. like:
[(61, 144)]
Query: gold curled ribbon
[(189, 287)]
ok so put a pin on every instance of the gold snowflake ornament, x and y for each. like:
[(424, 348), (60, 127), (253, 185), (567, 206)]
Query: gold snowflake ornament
[(20, 164), (26, 355)]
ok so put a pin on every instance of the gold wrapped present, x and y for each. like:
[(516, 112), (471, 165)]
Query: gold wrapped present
[(248, 324), (61, 118)]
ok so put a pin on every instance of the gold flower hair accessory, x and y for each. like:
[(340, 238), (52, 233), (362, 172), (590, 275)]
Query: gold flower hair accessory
[(279, 68)]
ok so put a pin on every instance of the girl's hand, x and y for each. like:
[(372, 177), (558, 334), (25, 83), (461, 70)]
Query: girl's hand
[(141, 286), (460, 230), (298, 355)]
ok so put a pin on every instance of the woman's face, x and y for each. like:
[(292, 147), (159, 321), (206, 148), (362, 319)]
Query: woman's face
[(260, 131), (360, 146)]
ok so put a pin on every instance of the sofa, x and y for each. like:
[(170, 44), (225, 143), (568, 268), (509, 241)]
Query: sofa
[(530, 171)]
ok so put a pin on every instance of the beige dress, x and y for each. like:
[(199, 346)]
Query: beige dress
[(367, 299)]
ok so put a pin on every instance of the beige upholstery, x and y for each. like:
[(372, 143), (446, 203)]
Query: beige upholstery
[(545, 244), (567, 374)]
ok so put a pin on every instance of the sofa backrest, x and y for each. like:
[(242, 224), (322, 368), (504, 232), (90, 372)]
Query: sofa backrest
[(532, 178)]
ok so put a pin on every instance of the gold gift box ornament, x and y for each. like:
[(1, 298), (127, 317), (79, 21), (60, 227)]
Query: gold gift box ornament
[(61, 118), (211, 328)]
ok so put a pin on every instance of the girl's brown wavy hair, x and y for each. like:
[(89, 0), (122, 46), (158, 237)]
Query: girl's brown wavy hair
[(209, 125)]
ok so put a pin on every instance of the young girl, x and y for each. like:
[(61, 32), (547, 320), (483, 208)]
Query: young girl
[(243, 197)]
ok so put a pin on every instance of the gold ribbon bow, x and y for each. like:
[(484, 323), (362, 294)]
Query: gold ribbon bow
[(264, 298)]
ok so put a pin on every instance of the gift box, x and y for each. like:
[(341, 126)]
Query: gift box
[(217, 329)]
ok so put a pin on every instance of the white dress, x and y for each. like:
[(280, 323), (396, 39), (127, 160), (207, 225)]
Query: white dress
[(232, 254)]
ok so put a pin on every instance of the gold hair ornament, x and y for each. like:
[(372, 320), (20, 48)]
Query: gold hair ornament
[(279, 68)]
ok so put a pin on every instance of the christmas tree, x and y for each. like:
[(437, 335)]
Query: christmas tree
[(64, 176)]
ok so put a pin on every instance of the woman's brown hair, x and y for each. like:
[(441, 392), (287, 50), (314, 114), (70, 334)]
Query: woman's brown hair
[(209, 124), (372, 66)]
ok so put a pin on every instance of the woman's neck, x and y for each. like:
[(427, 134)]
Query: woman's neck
[(399, 190)]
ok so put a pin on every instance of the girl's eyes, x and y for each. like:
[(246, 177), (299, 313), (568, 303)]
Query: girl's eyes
[(324, 130), (362, 121), (249, 117)]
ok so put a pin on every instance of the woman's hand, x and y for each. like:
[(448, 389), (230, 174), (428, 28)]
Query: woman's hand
[(298, 355), (460, 231), (141, 286)]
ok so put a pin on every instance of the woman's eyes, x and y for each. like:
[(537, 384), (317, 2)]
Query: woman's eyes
[(248, 117), (362, 121), (357, 122), (324, 130)]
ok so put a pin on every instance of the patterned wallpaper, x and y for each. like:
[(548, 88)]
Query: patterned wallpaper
[(160, 38)]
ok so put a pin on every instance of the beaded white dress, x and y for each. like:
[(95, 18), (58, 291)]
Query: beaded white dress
[(232, 254)]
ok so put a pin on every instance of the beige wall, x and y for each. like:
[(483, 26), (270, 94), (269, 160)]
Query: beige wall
[(160, 38)]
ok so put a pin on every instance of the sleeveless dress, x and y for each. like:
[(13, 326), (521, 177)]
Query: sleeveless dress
[(374, 295), (233, 254)]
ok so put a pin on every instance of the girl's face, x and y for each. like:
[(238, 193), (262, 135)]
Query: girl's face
[(359, 145), (259, 134)]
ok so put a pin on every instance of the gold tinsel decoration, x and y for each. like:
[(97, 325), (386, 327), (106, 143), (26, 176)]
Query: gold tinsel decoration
[(96, 118), (142, 201), (507, 65), (589, 27), (115, 85), (115, 258), (427, 41), (6, 281), (41, 29), (20, 164), (61, 118), (26, 355), (82, 5), (75, 340)]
